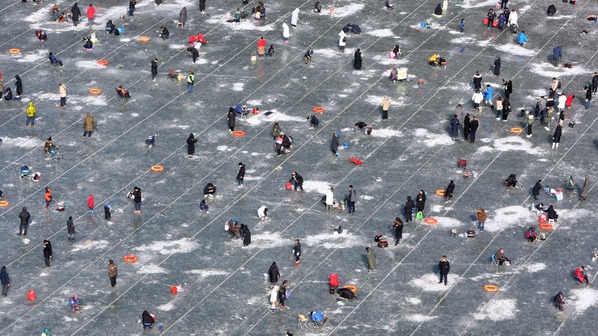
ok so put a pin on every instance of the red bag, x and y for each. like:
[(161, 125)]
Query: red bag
[(495, 23), (289, 186), (486, 20), (333, 280)]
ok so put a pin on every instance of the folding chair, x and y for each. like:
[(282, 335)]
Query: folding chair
[(302, 321)]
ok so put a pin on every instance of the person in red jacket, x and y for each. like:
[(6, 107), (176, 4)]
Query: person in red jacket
[(91, 13), (581, 276), (261, 47), (91, 203), (569, 101)]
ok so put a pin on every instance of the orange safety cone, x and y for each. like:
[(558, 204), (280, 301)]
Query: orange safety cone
[(31, 295), (173, 289)]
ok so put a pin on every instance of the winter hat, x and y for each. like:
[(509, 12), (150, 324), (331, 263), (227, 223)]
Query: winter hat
[(502, 251), (240, 163)]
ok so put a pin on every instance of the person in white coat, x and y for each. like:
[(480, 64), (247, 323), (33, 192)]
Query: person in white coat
[(285, 33), (562, 100), (513, 17), (262, 212), (477, 100), (342, 41), (295, 17), (274, 297), (329, 198)]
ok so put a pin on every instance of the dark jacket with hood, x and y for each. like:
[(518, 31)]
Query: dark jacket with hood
[(24, 216), (420, 201), (75, 12), (4, 278), (191, 140), (273, 273), (409, 205)]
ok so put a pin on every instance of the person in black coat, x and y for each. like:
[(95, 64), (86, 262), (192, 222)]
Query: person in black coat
[(194, 53), (297, 181), (334, 143), (47, 252), (448, 192), (19, 86), (398, 226), (164, 34), (240, 174), (313, 121), (24, 216), (357, 59), (466, 126), (556, 137), (508, 86), (551, 10), (506, 108), (246, 235), (551, 213), (497, 67), (191, 141), (420, 201), (137, 199), (4, 280), (8, 94), (438, 10), (70, 228), (209, 189), (473, 127), (154, 68), (273, 273), (107, 213), (230, 118), (132, 4), (75, 14), (477, 81), (147, 320), (297, 251), (588, 97), (408, 209), (202, 6), (444, 267), (536, 189)]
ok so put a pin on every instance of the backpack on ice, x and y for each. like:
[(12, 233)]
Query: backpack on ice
[(346, 293), (381, 241)]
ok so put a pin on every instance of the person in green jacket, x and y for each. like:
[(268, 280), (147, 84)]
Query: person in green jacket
[(31, 111), (371, 255)]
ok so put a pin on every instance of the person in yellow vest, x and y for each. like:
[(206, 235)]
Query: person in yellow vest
[(190, 81), (31, 111)]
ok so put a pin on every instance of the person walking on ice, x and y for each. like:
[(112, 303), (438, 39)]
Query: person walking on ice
[(112, 272), (444, 267)]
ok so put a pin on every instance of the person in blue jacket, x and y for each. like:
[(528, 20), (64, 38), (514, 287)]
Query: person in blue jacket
[(521, 38), (488, 93), (557, 53)]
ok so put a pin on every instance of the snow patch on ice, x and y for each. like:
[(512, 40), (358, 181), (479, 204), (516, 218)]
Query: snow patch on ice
[(316, 186), (475, 3), (386, 133), (381, 33), (166, 307), (254, 102), (469, 40), (515, 49), (328, 241), (183, 245), (206, 273), (510, 144), (257, 119), (508, 217), (91, 100), (249, 24), (347, 10), (367, 197), (34, 57), (497, 310), (91, 245), (89, 65), (23, 142), (536, 267), (268, 240), (548, 70), (448, 222), (584, 298), (384, 59), (238, 86), (420, 318), (413, 300), (431, 139), (429, 282), (151, 269)]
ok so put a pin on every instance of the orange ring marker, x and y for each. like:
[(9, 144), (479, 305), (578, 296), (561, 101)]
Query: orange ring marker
[(14, 51), (517, 130), (319, 109), (130, 259), (439, 192), (144, 39), (431, 221), (103, 62), (239, 134), (491, 288), (157, 168), (4, 203), (95, 91)]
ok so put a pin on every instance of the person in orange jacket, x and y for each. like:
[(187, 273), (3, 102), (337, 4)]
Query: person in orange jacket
[(261, 47), (91, 13), (48, 197), (580, 275)]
